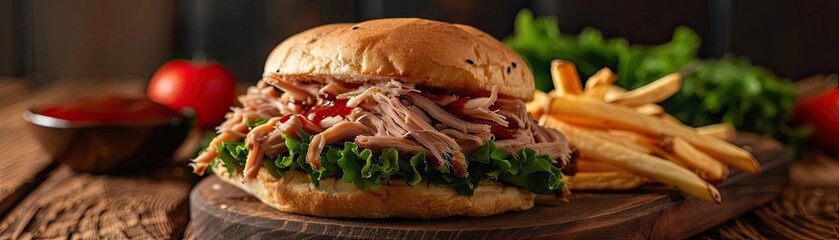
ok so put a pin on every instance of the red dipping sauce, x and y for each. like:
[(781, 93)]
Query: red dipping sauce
[(109, 109)]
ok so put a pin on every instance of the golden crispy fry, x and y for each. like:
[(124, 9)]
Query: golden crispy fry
[(618, 117), (599, 84), (565, 77), (724, 131), (588, 165), (637, 144), (707, 167), (607, 151), (658, 152), (603, 77), (596, 92), (539, 104), (613, 180), (613, 93), (650, 109), (654, 92), (669, 118)]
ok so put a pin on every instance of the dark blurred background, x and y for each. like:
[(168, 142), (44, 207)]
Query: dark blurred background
[(43, 40)]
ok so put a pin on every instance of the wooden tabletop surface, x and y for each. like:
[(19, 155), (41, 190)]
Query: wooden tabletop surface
[(40, 199)]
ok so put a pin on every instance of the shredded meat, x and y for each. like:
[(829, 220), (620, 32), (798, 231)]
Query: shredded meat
[(439, 99), (292, 89), (468, 143), (386, 115), (333, 88), (439, 145), (234, 129), (254, 142), (478, 108), (445, 117), (378, 143), (296, 124)]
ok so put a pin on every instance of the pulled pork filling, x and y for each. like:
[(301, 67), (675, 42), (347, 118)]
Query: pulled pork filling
[(327, 128)]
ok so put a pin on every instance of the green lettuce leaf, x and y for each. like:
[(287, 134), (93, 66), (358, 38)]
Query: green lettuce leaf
[(367, 169)]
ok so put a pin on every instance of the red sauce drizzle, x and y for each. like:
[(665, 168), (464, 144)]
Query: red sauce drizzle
[(109, 109), (457, 106), (285, 118), (330, 108)]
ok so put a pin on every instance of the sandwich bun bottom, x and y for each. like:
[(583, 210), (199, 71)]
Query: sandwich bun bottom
[(295, 193)]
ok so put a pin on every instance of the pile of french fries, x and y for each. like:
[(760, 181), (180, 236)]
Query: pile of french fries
[(625, 139)]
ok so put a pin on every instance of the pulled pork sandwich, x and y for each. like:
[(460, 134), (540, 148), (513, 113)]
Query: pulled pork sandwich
[(390, 118)]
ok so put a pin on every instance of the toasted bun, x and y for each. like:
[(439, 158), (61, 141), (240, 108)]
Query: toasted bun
[(434, 55), (295, 193)]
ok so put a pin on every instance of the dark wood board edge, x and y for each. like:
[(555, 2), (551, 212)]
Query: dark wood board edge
[(742, 192), (737, 199), (211, 220)]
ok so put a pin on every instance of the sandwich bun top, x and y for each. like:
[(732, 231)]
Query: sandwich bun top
[(451, 58)]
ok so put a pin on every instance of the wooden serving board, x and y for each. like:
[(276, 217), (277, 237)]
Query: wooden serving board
[(222, 211)]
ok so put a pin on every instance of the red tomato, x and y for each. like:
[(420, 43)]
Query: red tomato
[(207, 88), (821, 112)]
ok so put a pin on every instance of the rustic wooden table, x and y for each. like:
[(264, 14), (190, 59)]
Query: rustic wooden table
[(40, 199)]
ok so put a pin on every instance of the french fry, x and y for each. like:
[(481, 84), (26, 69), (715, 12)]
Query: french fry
[(654, 145), (565, 78), (669, 118), (705, 166), (613, 93), (650, 109), (603, 77), (603, 114), (607, 151), (724, 131), (599, 84), (636, 144), (656, 91), (596, 92), (661, 153), (614, 180), (588, 165), (538, 105)]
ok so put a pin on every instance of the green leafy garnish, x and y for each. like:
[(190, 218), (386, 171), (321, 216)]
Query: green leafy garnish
[(368, 170), (255, 123)]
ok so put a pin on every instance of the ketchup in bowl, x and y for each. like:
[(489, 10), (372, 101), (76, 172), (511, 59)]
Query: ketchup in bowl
[(109, 134), (109, 110)]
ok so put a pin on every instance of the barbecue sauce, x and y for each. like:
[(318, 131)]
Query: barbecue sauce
[(109, 109)]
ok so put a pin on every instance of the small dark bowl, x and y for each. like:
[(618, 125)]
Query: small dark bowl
[(110, 148)]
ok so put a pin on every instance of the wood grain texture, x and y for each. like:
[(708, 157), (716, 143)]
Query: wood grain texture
[(222, 211), (70, 206), (20, 150)]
